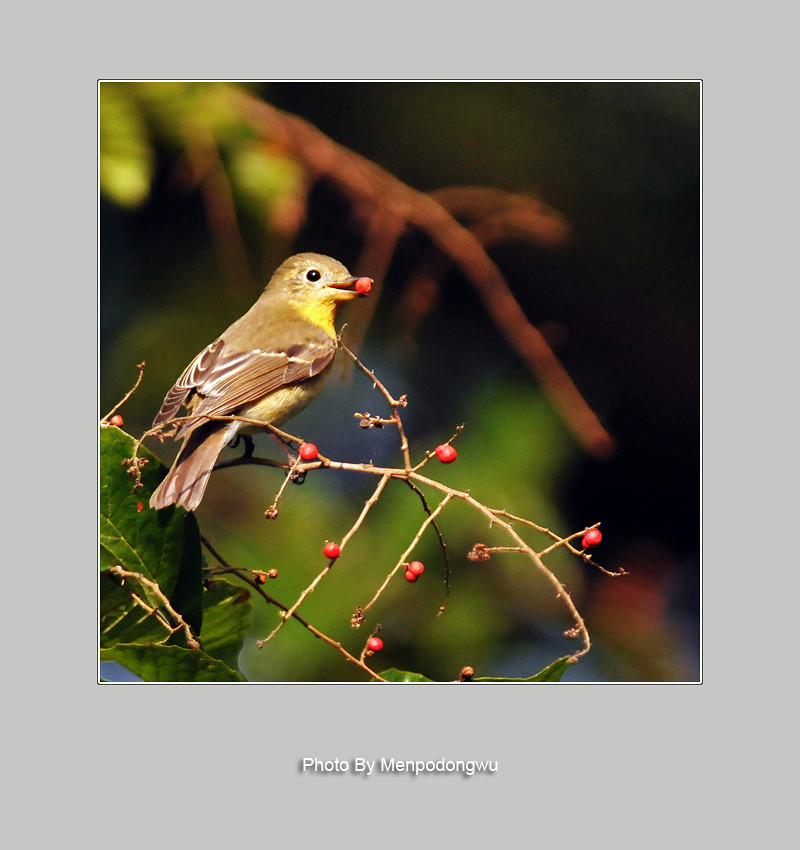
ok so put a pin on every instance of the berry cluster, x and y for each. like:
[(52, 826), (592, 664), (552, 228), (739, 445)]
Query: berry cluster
[(592, 538), (414, 569)]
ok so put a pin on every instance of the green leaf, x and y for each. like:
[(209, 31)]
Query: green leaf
[(552, 673), (170, 663), (394, 675), (164, 546), (227, 617)]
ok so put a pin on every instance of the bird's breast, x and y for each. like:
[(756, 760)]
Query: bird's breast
[(281, 405)]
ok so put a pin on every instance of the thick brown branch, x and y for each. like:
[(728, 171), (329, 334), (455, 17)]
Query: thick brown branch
[(368, 186)]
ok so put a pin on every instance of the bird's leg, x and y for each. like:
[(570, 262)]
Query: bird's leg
[(249, 444)]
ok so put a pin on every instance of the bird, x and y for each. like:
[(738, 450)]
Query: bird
[(268, 366)]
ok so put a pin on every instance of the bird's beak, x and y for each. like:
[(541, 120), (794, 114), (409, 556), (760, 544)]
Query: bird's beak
[(361, 285)]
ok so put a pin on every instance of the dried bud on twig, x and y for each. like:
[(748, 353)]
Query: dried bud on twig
[(479, 552)]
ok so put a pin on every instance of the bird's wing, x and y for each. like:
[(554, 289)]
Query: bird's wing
[(192, 377), (224, 382)]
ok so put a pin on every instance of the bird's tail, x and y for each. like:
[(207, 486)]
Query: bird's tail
[(186, 481)]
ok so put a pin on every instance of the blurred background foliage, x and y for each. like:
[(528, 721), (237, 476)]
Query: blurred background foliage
[(197, 210)]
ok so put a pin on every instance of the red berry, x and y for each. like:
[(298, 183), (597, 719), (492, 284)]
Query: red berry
[(417, 568), (139, 507), (446, 454), (332, 550), (363, 285), (410, 576), (308, 451), (375, 644), (117, 420), (592, 537)]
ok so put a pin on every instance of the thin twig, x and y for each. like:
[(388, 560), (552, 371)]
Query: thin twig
[(430, 455), (243, 575), (443, 545), (181, 624), (272, 510), (394, 403), (290, 612), (525, 548), (365, 510), (127, 395), (409, 550), (563, 541)]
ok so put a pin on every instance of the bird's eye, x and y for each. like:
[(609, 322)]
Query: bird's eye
[(313, 275)]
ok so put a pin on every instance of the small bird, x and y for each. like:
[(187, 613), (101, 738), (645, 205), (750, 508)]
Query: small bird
[(268, 365)]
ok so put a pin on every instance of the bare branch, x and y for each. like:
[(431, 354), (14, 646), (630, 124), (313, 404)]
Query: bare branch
[(180, 623), (243, 575), (131, 391), (370, 187), (429, 519), (290, 612)]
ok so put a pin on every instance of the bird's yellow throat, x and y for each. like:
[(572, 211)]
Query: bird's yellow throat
[(321, 313)]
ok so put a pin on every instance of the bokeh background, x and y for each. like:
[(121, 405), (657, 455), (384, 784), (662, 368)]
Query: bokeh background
[(196, 211)]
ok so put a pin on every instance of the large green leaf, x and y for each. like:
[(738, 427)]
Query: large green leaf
[(394, 675), (170, 663), (164, 546), (227, 617), (551, 673)]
